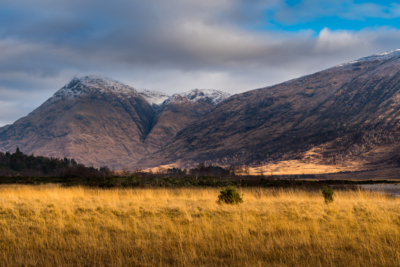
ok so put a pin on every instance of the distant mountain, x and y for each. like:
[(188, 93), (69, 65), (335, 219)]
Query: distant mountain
[(99, 121), (350, 112), (178, 111)]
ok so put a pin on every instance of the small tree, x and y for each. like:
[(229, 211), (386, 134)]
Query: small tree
[(229, 196), (328, 194)]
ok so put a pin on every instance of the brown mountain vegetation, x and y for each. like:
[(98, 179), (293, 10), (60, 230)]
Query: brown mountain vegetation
[(343, 119), (343, 114), (173, 116), (101, 122)]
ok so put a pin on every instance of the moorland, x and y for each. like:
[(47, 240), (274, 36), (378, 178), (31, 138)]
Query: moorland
[(50, 225)]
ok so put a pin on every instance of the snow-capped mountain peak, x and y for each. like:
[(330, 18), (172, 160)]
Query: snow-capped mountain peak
[(381, 56), (86, 85), (153, 97), (377, 57), (197, 95), (94, 84)]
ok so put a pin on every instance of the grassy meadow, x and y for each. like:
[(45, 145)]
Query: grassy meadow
[(56, 226)]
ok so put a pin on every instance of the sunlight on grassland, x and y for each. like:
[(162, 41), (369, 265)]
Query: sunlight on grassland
[(52, 225)]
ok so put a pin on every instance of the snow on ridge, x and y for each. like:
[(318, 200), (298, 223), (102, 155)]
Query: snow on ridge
[(153, 97), (196, 95), (377, 57), (84, 85), (89, 84)]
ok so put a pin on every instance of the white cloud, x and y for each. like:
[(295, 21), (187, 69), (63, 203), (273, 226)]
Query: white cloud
[(338, 40)]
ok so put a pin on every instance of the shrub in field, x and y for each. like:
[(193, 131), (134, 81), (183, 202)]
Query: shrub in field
[(328, 194), (229, 195)]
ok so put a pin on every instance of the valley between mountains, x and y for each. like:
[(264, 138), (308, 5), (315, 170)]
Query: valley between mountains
[(343, 118)]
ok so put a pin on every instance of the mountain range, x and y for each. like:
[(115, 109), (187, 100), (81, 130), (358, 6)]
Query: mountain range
[(102, 122), (343, 115)]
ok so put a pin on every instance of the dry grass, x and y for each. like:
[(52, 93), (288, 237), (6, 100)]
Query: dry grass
[(53, 226)]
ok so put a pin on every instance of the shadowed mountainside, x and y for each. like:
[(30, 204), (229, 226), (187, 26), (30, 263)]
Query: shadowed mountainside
[(179, 111), (95, 121), (102, 122), (349, 112)]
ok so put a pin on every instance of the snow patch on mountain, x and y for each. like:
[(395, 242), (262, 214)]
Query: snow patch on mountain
[(90, 84), (377, 57), (153, 97), (197, 95), (85, 85)]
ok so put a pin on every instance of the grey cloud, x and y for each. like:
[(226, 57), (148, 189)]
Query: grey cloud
[(188, 35), (9, 112)]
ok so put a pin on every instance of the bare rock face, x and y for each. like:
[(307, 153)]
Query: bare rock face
[(100, 122), (351, 110)]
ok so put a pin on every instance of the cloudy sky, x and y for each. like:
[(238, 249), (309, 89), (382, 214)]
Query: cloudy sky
[(177, 45)]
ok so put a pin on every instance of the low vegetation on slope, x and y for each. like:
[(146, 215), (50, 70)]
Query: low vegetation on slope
[(54, 226), (346, 113)]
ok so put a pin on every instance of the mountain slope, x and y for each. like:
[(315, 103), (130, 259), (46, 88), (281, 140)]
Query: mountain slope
[(92, 119), (180, 110), (99, 121), (351, 110)]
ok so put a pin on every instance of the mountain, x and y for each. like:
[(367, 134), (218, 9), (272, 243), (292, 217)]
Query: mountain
[(154, 98), (348, 113), (178, 111), (99, 121)]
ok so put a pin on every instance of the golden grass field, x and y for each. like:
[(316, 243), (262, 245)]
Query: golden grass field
[(55, 226)]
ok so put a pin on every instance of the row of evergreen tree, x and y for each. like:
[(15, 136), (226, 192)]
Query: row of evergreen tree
[(18, 161), (29, 165)]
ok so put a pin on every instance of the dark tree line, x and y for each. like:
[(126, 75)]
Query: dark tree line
[(18, 163)]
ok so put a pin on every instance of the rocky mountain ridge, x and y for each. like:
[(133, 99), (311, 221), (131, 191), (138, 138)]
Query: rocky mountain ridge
[(99, 121), (153, 97), (213, 97), (87, 85), (350, 112), (377, 57)]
